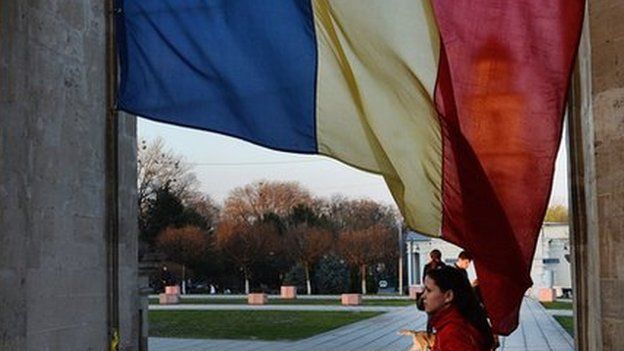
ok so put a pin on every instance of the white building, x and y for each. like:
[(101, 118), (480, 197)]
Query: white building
[(417, 251), (551, 263)]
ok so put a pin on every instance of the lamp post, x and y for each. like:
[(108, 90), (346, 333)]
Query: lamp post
[(400, 280), (410, 265)]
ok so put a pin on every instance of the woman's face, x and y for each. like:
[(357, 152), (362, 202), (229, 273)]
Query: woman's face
[(435, 299)]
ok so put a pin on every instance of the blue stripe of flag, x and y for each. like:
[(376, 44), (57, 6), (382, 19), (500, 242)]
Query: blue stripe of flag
[(245, 68)]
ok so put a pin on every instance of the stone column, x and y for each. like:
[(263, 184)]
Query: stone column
[(596, 142), (410, 264), (53, 253)]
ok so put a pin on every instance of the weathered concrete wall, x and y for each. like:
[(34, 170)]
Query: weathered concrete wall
[(600, 127), (53, 282), (129, 232)]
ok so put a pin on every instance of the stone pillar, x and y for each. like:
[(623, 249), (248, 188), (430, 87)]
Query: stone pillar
[(53, 249), (400, 263), (596, 140), (410, 264)]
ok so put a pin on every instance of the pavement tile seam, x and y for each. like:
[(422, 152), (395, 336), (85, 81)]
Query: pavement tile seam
[(392, 333), (399, 339), (347, 330), (558, 336), (557, 330), (389, 331), (352, 330), (535, 342)]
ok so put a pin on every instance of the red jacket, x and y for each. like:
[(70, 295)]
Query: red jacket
[(455, 333)]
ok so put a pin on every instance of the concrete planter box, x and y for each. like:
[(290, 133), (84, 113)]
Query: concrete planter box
[(168, 299), (171, 295), (414, 291), (257, 299), (351, 299), (288, 292), (547, 295), (173, 289)]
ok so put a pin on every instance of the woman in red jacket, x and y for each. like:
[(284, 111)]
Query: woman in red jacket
[(454, 312)]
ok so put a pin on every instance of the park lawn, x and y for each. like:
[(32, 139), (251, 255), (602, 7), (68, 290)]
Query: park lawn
[(334, 302), (394, 302), (567, 323), (216, 301), (557, 305), (249, 325)]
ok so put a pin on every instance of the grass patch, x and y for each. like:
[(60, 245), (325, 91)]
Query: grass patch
[(557, 305), (249, 325), (567, 323), (396, 302), (331, 302), (224, 301)]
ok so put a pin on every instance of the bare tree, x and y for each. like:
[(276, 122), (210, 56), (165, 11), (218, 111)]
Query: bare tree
[(206, 207), (307, 244), (185, 246), (367, 232), (245, 243), (252, 202), (157, 167), (364, 247), (357, 214)]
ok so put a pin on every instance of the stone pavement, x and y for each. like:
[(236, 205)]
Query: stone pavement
[(564, 313), (538, 331)]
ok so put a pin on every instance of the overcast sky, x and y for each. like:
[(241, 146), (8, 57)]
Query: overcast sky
[(222, 163)]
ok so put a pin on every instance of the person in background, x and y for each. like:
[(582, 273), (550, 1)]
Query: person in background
[(455, 315), (167, 278), (464, 259), (435, 261)]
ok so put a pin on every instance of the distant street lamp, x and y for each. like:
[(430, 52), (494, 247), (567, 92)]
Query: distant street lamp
[(400, 280)]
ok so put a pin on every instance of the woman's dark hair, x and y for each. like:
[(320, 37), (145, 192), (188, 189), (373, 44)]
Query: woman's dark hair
[(464, 298)]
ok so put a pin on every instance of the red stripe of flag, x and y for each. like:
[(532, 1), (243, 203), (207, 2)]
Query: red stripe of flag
[(503, 77)]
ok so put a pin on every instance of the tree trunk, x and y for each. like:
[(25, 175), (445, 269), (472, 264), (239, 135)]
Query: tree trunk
[(363, 277), (308, 285), (183, 280), (246, 282)]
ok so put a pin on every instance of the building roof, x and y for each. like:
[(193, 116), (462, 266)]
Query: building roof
[(414, 236)]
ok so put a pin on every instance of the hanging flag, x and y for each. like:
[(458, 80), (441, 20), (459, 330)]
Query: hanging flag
[(458, 104)]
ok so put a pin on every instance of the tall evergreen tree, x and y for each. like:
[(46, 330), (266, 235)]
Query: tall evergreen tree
[(163, 210)]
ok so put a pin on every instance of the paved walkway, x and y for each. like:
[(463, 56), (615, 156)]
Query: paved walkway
[(538, 331), (564, 313)]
